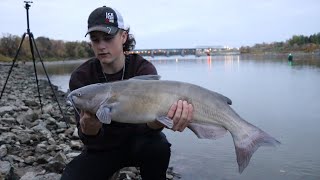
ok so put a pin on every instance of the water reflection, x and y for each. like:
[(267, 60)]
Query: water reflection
[(311, 63), (209, 62), (230, 62), (60, 67)]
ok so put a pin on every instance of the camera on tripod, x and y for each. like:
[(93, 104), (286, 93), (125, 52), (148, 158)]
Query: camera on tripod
[(27, 4)]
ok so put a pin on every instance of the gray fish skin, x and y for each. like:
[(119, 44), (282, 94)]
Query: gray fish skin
[(142, 101)]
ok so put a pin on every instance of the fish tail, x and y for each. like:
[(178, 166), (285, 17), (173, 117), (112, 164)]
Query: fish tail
[(245, 147)]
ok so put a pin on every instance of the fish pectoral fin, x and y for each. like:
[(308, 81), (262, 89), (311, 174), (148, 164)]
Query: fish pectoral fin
[(147, 77), (165, 121), (207, 131), (104, 115)]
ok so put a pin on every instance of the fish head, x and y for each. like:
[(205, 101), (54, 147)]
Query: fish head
[(89, 98)]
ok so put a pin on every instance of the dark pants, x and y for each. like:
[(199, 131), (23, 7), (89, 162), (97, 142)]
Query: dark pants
[(151, 153)]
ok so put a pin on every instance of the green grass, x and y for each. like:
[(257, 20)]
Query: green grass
[(5, 58)]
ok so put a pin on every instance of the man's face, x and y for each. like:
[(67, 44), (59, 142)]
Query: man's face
[(108, 48)]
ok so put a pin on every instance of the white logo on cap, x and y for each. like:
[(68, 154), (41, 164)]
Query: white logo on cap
[(110, 17)]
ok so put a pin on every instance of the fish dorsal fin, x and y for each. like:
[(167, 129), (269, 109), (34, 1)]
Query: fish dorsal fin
[(147, 77), (227, 100), (223, 98)]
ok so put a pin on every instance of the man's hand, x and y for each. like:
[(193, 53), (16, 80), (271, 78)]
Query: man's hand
[(180, 112), (89, 123)]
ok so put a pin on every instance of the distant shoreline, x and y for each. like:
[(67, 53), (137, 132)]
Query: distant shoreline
[(296, 54)]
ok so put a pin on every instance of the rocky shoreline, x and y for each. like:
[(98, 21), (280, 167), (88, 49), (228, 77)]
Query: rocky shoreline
[(35, 145)]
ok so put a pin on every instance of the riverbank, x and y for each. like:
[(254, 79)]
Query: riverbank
[(35, 145), (297, 55)]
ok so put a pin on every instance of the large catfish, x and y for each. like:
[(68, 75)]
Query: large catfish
[(145, 98)]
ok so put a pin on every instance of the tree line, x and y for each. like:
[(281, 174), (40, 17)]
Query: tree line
[(49, 49), (59, 50), (296, 43)]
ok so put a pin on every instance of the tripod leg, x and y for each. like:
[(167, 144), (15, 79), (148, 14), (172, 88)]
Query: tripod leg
[(13, 62), (45, 71), (34, 67)]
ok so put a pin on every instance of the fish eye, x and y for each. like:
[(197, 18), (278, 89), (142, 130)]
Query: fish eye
[(78, 94)]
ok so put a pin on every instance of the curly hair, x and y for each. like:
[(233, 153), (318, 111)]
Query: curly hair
[(130, 42)]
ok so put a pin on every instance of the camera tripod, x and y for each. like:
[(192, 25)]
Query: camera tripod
[(33, 46)]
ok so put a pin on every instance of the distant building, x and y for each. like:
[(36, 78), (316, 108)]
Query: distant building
[(198, 51), (213, 50)]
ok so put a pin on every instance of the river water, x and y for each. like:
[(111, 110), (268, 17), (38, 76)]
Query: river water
[(279, 97)]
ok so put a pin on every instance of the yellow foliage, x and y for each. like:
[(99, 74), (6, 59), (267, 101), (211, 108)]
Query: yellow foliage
[(5, 58)]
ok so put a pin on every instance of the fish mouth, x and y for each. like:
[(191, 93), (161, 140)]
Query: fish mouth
[(70, 101)]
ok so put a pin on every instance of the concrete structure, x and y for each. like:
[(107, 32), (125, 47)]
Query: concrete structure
[(198, 51)]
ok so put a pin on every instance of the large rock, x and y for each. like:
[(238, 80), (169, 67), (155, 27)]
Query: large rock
[(51, 141), (29, 176), (3, 151), (5, 169), (75, 133), (40, 176), (8, 120), (64, 147), (12, 97), (41, 148), (77, 145), (48, 108), (4, 129), (7, 138), (30, 160), (30, 102), (42, 159), (60, 157), (24, 138), (57, 163), (54, 166), (73, 155), (62, 136), (27, 118), (45, 116), (41, 127), (6, 109), (15, 158), (49, 176), (62, 125), (68, 132)]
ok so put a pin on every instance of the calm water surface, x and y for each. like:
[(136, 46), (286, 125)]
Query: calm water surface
[(280, 98)]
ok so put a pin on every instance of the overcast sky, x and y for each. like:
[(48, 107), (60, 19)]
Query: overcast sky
[(171, 23)]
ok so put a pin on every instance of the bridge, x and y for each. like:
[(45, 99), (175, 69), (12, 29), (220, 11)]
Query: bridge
[(198, 51)]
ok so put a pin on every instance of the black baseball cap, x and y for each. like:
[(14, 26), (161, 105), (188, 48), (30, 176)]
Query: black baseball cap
[(105, 19)]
